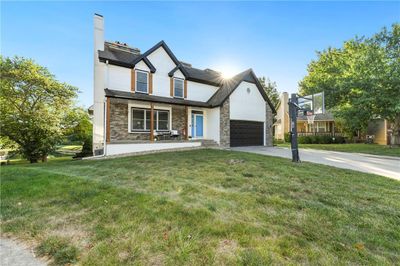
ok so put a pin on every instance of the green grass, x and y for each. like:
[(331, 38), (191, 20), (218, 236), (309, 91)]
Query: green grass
[(357, 148), (202, 207)]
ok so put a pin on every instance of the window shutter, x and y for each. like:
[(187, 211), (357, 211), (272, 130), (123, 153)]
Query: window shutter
[(171, 87), (150, 83), (185, 89), (133, 80)]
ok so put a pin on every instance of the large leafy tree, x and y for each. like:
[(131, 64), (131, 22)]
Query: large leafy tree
[(361, 80), (33, 105), (271, 89), (77, 125)]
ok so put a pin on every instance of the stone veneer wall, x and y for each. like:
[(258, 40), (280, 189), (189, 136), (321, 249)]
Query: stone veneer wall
[(119, 122), (178, 118), (224, 125), (268, 126)]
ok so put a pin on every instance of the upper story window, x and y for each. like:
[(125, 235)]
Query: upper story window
[(178, 88), (142, 81)]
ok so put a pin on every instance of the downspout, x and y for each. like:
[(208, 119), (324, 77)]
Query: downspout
[(107, 76), (105, 127), (105, 113)]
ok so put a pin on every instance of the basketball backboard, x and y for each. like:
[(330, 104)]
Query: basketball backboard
[(314, 103)]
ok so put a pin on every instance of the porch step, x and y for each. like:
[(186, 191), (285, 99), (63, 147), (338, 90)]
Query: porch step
[(209, 143)]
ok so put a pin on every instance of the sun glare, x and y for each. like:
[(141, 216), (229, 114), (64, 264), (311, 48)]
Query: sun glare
[(227, 71), (227, 74)]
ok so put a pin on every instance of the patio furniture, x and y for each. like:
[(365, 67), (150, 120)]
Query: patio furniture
[(174, 134)]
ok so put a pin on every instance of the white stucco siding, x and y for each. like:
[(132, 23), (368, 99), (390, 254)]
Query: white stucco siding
[(247, 104), (142, 66), (200, 92), (213, 124), (178, 74), (163, 64), (118, 78)]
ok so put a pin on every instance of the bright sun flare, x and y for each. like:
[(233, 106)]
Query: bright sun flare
[(228, 71), (227, 74)]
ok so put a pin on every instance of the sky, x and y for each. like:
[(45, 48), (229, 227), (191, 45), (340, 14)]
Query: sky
[(277, 39)]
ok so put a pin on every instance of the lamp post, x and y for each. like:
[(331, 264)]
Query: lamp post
[(293, 109)]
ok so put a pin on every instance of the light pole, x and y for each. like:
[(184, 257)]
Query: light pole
[(293, 109)]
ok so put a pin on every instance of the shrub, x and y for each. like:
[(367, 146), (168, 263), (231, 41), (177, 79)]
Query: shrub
[(278, 141), (320, 140), (287, 137), (339, 140), (87, 149)]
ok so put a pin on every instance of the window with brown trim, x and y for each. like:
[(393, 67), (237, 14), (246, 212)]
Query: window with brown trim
[(178, 87), (142, 81)]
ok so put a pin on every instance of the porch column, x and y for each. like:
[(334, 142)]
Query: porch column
[(186, 123), (151, 122)]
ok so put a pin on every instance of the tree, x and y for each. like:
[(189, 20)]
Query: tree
[(361, 80), (32, 106), (77, 125), (270, 88)]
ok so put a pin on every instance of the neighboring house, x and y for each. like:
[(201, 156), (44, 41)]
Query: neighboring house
[(379, 130), (324, 124), (282, 124), (151, 101)]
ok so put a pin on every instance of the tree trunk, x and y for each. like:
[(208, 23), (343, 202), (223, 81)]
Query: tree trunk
[(33, 160), (44, 158), (395, 135)]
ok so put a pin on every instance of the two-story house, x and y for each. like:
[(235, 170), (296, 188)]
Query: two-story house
[(152, 101)]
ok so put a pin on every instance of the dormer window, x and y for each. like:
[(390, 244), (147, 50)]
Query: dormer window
[(142, 81), (178, 88)]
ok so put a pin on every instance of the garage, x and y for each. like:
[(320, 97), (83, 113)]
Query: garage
[(246, 133)]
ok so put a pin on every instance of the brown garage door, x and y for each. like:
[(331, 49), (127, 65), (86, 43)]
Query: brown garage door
[(246, 133)]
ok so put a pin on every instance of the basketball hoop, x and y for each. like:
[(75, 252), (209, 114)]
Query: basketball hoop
[(310, 117)]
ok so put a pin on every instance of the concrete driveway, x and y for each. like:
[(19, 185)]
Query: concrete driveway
[(373, 164)]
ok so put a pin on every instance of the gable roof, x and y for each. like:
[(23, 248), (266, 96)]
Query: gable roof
[(229, 85), (206, 76), (155, 47), (126, 59)]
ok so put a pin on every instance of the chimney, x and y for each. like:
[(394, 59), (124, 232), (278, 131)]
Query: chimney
[(98, 86), (98, 32)]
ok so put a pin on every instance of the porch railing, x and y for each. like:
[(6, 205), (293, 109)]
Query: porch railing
[(331, 134)]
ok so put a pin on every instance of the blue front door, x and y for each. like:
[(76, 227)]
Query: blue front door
[(199, 126)]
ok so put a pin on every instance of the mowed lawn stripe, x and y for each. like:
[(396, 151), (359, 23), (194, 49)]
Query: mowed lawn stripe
[(202, 207)]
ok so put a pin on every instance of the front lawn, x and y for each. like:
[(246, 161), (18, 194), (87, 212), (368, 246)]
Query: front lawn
[(62, 153), (202, 207), (354, 147)]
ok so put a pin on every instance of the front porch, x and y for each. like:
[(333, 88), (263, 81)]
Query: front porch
[(136, 126), (318, 128)]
